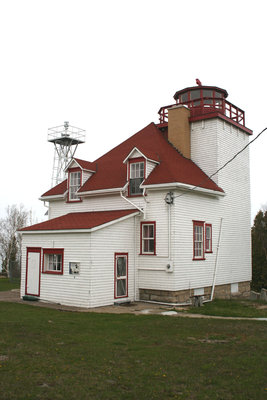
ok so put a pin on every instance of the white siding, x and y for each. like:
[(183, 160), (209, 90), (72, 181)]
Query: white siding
[(152, 268), (95, 203), (136, 154), (85, 176), (63, 289), (234, 262), (117, 238), (204, 145), (149, 167)]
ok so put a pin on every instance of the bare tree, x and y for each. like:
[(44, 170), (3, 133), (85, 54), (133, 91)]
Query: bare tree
[(10, 240)]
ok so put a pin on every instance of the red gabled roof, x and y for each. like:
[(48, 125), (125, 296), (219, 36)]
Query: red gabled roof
[(172, 168), (82, 220), (57, 190)]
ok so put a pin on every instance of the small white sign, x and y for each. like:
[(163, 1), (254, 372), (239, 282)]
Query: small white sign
[(74, 268)]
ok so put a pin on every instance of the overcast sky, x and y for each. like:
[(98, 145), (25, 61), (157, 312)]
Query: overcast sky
[(108, 66)]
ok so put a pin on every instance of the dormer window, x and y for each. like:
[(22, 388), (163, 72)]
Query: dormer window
[(74, 185), (137, 174)]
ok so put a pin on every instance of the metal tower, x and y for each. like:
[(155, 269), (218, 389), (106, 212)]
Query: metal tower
[(66, 139)]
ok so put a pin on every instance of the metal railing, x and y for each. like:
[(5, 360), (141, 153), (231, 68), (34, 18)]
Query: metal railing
[(207, 105)]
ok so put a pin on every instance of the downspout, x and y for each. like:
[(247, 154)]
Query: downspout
[(129, 201), (135, 258), (169, 233), (216, 262), (169, 200)]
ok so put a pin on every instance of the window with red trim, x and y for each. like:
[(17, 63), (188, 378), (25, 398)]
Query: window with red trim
[(208, 238), (74, 181), (198, 240), (136, 176), (121, 275), (53, 261), (148, 238)]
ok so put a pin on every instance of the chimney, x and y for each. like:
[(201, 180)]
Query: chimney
[(179, 129)]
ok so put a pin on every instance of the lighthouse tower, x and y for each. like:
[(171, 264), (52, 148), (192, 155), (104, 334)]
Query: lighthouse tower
[(66, 139), (206, 128)]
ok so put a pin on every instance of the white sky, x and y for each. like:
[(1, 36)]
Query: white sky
[(108, 66)]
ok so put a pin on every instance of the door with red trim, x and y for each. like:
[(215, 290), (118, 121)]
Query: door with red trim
[(121, 275), (33, 268)]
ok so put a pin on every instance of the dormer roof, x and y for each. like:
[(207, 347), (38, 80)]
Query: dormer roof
[(84, 165), (136, 150)]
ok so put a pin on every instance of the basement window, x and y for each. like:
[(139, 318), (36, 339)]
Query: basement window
[(53, 261)]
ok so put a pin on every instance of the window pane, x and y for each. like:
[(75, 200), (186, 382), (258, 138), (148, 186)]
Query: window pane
[(145, 231), (121, 287), (198, 241), (75, 184), (207, 93), (53, 262), (148, 238), (142, 170), (135, 186), (145, 246), (195, 94), (136, 177), (121, 266), (184, 97), (151, 245), (218, 95)]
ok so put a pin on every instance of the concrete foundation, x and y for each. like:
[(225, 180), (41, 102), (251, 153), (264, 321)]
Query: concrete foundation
[(183, 296)]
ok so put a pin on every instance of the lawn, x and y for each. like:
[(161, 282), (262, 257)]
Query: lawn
[(50, 354), (6, 284), (232, 308)]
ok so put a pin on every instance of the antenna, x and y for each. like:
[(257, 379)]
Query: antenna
[(66, 139)]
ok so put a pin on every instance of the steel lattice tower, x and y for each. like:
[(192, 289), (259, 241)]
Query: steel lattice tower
[(66, 139)]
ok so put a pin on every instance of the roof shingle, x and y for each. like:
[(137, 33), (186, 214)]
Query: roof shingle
[(81, 220), (172, 168)]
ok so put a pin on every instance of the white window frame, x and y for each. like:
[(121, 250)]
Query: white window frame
[(147, 239), (137, 174), (198, 240), (208, 238), (75, 178), (119, 278), (53, 260)]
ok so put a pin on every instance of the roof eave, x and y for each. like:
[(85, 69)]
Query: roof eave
[(100, 192), (79, 165), (183, 186), (85, 230), (54, 197)]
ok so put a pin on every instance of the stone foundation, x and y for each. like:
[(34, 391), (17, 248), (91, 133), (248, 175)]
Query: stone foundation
[(183, 296)]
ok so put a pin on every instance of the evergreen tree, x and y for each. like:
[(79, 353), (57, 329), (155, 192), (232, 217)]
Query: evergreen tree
[(259, 251)]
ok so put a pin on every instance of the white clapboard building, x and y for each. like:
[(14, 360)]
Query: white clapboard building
[(156, 218)]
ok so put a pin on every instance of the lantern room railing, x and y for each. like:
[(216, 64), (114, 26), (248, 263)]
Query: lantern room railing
[(207, 105)]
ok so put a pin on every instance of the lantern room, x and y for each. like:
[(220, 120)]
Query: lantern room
[(205, 102)]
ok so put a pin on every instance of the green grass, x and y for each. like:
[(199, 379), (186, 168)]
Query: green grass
[(47, 354), (6, 284), (232, 308)]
